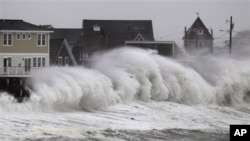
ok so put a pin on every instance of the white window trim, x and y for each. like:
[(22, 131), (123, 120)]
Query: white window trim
[(43, 62), (8, 39), (29, 36), (200, 31), (39, 64), (19, 36), (24, 36), (60, 61), (41, 38), (66, 61)]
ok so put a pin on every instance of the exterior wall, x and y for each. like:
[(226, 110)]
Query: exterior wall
[(24, 46), (165, 48), (63, 55), (195, 44), (21, 49), (18, 63)]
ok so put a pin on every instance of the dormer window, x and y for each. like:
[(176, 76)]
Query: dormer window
[(200, 31), (96, 28)]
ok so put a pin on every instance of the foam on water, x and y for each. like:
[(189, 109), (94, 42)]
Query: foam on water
[(135, 91), (128, 74)]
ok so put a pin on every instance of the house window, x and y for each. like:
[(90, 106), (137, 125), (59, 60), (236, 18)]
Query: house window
[(41, 40), (200, 31), (59, 61), (200, 44), (7, 39), (96, 28), (66, 61), (43, 62), (7, 64), (24, 36), (18, 36), (34, 62), (29, 36), (39, 61)]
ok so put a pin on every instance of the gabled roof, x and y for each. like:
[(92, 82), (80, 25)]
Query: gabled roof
[(131, 27), (102, 34), (139, 37), (72, 35), (198, 25), (19, 25), (56, 46)]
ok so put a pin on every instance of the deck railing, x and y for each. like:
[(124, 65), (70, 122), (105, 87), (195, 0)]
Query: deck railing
[(18, 71)]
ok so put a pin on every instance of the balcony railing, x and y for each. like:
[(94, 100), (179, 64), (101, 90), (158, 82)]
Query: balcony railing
[(18, 71)]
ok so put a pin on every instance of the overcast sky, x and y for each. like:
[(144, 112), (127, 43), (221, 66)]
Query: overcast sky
[(169, 17)]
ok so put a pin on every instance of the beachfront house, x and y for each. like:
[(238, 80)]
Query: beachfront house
[(198, 37), (24, 48)]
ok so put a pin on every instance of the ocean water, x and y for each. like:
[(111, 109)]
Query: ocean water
[(132, 94)]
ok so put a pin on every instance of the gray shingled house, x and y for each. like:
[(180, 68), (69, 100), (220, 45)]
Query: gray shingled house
[(24, 48), (198, 37), (61, 43), (100, 35)]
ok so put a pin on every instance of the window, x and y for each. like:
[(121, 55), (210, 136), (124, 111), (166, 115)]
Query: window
[(66, 61), (41, 40), (29, 36), (6, 64), (18, 36), (7, 39), (96, 28), (24, 36), (34, 62), (200, 31), (43, 62), (39, 62), (200, 44), (85, 55), (59, 61)]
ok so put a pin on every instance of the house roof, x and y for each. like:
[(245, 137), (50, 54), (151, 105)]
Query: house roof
[(18, 25), (131, 27), (198, 25), (72, 35), (56, 46), (102, 34)]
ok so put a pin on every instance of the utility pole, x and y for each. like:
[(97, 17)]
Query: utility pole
[(185, 32), (230, 34)]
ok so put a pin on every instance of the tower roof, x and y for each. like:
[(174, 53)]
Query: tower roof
[(198, 30)]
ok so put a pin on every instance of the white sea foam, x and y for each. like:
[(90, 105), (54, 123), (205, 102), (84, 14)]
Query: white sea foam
[(128, 74), (130, 89)]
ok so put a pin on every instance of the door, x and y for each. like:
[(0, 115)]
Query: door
[(6, 64), (27, 65)]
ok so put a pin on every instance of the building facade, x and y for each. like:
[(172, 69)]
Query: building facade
[(24, 47), (100, 35), (198, 37)]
